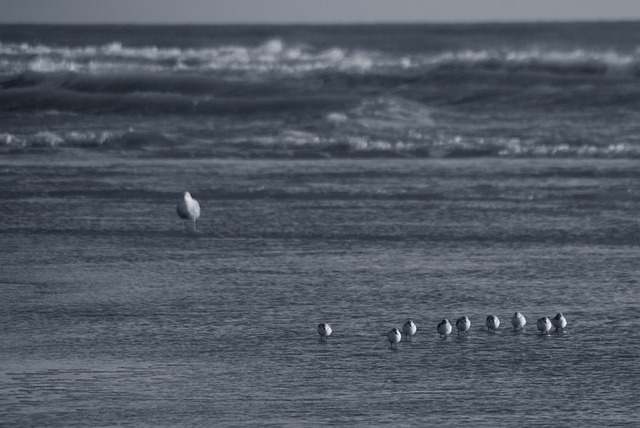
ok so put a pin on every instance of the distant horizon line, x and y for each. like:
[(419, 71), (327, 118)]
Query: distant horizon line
[(351, 23)]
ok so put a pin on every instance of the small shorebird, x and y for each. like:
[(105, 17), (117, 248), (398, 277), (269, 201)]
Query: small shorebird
[(544, 325), (518, 321), (409, 329), (559, 321), (444, 328), (463, 325), (324, 330), (394, 337), (493, 322), (189, 209)]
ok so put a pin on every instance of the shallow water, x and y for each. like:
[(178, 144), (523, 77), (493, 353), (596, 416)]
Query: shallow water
[(356, 175), (113, 313)]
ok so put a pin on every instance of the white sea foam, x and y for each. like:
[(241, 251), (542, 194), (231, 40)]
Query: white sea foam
[(289, 142), (47, 138), (274, 55), (299, 138), (610, 60), (337, 117), (391, 113), (8, 139), (55, 139)]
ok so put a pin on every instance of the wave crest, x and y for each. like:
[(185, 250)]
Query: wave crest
[(293, 144), (276, 56)]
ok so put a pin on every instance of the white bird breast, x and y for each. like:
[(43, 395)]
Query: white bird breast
[(444, 328), (493, 322), (544, 324), (463, 324), (189, 208), (518, 320), (324, 330), (394, 336), (409, 328), (559, 323)]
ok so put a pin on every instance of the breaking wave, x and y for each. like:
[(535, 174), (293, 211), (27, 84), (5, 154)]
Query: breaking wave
[(276, 56), (323, 92), (293, 144)]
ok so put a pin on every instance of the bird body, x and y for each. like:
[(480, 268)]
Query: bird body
[(444, 328), (409, 329), (394, 337), (544, 325), (518, 321), (559, 321), (324, 330), (188, 208), (493, 322), (463, 325)]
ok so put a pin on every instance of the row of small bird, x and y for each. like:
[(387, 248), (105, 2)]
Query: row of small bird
[(189, 209), (462, 325)]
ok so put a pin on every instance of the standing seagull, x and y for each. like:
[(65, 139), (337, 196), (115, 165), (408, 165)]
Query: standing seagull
[(324, 330), (518, 320), (544, 325), (189, 209), (394, 337), (444, 328), (493, 322), (559, 322), (409, 329), (463, 325)]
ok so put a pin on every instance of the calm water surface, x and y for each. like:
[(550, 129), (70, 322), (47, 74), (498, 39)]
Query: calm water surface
[(115, 314)]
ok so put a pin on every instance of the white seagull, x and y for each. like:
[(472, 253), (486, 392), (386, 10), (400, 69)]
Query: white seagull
[(324, 330), (189, 209), (394, 337), (444, 328), (544, 325), (463, 325), (409, 329), (518, 321), (493, 322), (559, 321)]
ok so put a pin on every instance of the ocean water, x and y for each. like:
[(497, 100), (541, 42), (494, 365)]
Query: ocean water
[(355, 175)]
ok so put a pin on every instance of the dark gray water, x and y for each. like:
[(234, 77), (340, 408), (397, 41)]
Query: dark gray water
[(355, 175), (289, 92), (114, 314)]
